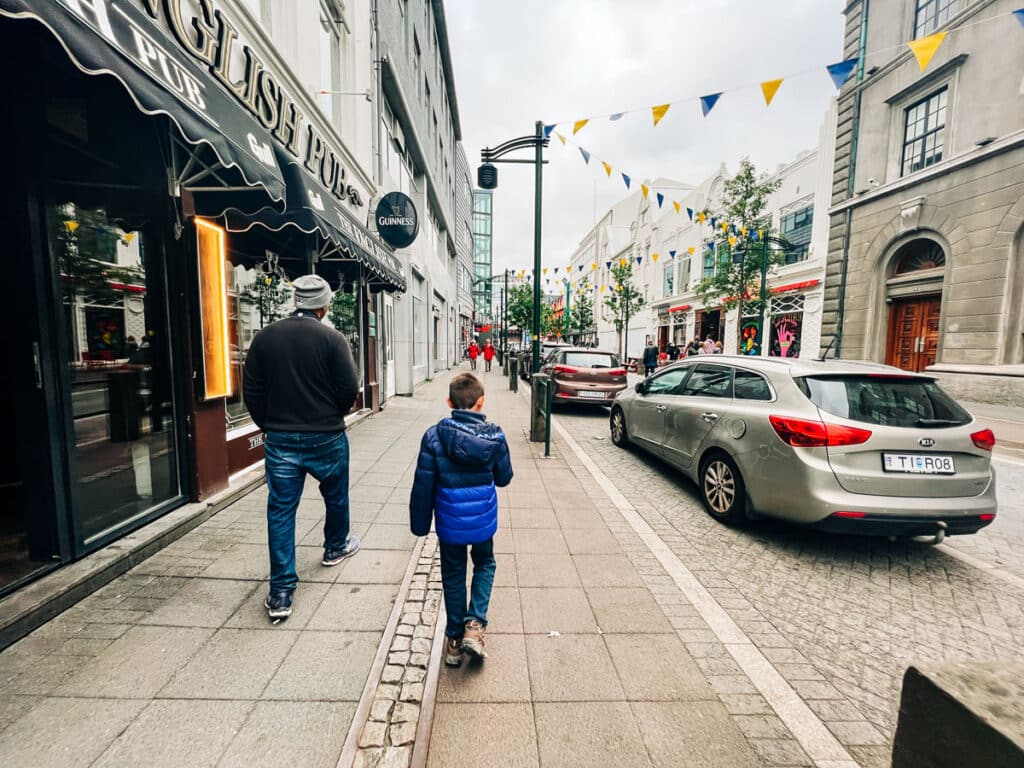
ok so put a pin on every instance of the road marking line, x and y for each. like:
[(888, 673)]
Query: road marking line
[(812, 734)]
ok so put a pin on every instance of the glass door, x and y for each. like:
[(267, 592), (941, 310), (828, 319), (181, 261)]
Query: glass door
[(113, 344)]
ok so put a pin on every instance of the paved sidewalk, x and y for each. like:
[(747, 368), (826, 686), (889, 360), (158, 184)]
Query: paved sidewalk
[(585, 667), (176, 664)]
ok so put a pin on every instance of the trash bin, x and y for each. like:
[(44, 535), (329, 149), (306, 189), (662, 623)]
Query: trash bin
[(125, 404)]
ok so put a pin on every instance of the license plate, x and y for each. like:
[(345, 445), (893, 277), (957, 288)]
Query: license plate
[(595, 395), (918, 464)]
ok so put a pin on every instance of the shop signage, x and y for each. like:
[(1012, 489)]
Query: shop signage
[(207, 33), (397, 222)]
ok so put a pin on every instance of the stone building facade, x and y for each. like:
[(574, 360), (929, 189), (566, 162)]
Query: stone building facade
[(925, 248)]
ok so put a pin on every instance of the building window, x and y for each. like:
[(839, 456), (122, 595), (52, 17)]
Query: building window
[(918, 255), (796, 229), (668, 281), (932, 14), (924, 133), (330, 64), (709, 264)]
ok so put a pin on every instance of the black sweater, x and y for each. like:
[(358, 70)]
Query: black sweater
[(300, 376)]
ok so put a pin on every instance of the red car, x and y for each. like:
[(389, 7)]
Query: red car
[(585, 376)]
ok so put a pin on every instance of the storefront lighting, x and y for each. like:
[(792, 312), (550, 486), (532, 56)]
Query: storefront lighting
[(213, 310)]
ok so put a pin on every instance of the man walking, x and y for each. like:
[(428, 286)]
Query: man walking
[(300, 381), (651, 353)]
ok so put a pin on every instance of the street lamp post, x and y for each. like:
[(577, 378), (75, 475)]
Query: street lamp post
[(504, 325)]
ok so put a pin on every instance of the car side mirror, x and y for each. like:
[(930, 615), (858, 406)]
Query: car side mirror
[(641, 387)]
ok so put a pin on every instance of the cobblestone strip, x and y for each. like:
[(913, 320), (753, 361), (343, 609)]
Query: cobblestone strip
[(386, 737)]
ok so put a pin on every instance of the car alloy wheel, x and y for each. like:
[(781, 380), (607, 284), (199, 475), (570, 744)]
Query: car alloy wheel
[(618, 427), (722, 489)]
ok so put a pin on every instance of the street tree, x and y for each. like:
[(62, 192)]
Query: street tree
[(520, 308), (581, 314), (624, 302), (741, 222)]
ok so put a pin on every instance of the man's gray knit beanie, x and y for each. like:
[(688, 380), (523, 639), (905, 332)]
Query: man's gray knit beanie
[(311, 292)]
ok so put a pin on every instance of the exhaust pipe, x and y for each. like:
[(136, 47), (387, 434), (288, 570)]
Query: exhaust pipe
[(933, 539)]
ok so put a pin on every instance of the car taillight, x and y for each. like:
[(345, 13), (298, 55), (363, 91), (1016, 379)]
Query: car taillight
[(988, 517), (564, 369), (985, 439), (852, 515), (617, 372), (804, 433)]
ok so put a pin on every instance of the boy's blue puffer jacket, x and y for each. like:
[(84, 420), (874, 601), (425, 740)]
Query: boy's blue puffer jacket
[(461, 460)]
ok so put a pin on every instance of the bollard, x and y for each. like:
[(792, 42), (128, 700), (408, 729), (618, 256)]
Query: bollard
[(538, 409), (550, 391)]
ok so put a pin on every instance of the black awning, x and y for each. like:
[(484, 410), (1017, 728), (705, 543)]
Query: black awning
[(115, 38), (312, 208)]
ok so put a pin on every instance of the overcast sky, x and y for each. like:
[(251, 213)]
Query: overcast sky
[(561, 60)]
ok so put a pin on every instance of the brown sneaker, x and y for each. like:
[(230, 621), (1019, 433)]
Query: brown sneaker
[(452, 652), (473, 639)]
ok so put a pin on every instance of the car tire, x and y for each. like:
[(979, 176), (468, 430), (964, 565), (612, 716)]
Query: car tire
[(617, 425), (722, 489)]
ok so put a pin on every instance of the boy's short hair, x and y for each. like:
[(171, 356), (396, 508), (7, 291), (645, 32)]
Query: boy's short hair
[(464, 390)]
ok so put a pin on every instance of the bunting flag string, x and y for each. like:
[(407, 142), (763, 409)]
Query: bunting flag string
[(924, 50)]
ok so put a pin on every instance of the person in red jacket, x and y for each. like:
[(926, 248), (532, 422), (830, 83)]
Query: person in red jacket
[(474, 353), (488, 354)]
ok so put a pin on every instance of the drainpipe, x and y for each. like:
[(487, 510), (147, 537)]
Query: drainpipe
[(850, 188)]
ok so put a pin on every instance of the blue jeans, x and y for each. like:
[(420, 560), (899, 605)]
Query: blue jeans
[(453, 578), (289, 457)]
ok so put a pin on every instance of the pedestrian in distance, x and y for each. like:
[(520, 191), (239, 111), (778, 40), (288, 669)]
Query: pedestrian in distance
[(488, 355), (673, 352), (474, 353), (717, 350), (709, 345), (300, 380), (693, 348), (462, 460), (650, 357)]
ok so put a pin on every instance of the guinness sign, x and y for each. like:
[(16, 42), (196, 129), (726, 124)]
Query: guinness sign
[(397, 222)]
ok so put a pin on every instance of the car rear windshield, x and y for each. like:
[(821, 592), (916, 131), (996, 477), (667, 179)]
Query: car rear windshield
[(884, 400), (591, 360)]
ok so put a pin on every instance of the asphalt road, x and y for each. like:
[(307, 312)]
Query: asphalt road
[(853, 612)]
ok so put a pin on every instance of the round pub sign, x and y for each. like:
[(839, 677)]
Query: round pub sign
[(397, 221)]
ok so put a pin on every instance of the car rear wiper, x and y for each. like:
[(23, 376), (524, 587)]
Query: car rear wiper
[(939, 423)]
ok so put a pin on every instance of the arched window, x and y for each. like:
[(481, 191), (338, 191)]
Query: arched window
[(918, 255)]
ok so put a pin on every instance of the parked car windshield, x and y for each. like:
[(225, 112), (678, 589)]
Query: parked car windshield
[(884, 400), (591, 359)]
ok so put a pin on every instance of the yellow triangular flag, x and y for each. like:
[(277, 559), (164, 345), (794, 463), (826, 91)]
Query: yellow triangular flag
[(725, 226), (732, 240), (561, 138), (659, 112), (645, 189), (579, 125), (607, 168), (701, 216), (690, 250), (71, 225), (602, 289), (769, 88), (654, 257), (622, 262), (676, 204), (743, 230), (544, 271), (594, 266), (129, 236), (925, 48)]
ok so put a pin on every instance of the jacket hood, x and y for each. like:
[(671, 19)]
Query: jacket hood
[(469, 439)]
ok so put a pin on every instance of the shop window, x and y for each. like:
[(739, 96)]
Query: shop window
[(786, 325), (924, 133), (115, 344), (258, 295), (346, 316)]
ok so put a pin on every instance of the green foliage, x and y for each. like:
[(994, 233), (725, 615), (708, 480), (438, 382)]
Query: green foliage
[(86, 246), (625, 300), (520, 307), (743, 205), (270, 294), (581, 312), (343, 314)]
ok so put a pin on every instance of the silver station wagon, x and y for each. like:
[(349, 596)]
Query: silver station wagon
[(844, 446)]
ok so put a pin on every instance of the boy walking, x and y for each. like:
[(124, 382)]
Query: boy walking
[(462, 459)]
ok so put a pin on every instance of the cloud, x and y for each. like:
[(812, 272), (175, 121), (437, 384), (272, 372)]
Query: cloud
[(568, 59)]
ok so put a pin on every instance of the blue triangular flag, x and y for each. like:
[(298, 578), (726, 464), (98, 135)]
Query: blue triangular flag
[(714, 223), (707, 103), (581, 267), (639, 260), (626, 179), (756, 235), (548, 129), (661, 199), (841, 72), (608, 264), (616, 116), (689, 212), (556, 270), (671, 254), (1020, 15), (711, 245), (586, 155)]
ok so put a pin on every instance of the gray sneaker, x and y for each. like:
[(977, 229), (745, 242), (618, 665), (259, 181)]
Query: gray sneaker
[(334, 555), (473, 639)]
